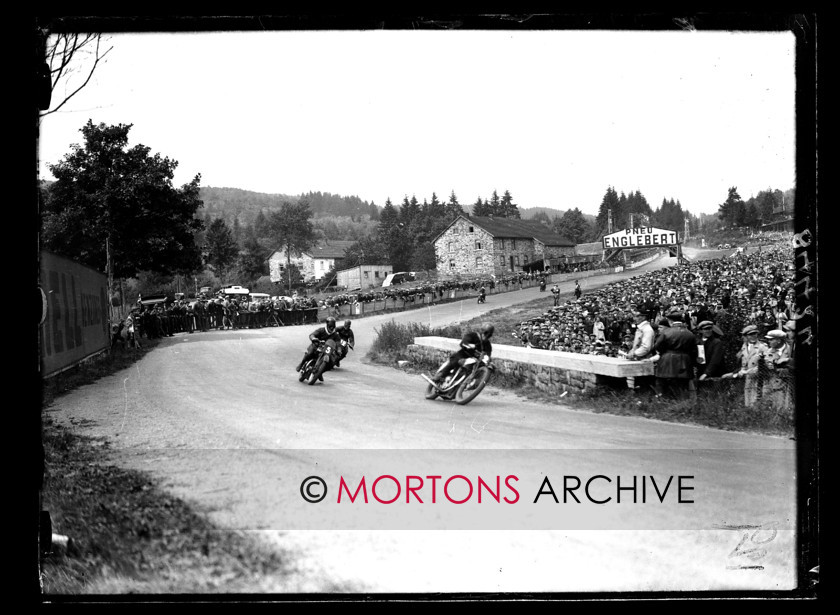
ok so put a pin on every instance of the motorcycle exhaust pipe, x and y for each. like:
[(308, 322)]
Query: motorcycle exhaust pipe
[(432, 382)]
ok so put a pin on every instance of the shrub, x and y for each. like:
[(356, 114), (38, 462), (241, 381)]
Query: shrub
[(392, 338)]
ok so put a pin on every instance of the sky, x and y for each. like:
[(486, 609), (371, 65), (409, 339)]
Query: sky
[(555, 117)]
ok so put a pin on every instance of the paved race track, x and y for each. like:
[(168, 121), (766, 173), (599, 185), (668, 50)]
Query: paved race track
[(222, 421)]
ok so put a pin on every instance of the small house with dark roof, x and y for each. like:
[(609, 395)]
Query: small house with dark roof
[(313, 263), (486, 245)]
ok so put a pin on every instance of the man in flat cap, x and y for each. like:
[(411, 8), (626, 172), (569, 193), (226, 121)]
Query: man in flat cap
[(677, 348), (642, 347), (713, 351), (776, 387), (749, 358)]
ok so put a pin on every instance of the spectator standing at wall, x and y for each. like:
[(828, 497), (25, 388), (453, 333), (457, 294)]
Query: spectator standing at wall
[(713, 351), (578, 291), (555, 290), (677, 348), (598, 329), (643, 339), (775, 383), (750, 357)]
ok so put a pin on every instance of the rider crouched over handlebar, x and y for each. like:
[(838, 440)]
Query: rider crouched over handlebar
[(471, 344), (326, 334), (346, 334)]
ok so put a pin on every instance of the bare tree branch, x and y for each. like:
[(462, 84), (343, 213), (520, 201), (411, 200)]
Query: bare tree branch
[(64, 53)]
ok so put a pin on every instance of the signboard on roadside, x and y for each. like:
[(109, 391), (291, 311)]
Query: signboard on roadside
[(642, 237)]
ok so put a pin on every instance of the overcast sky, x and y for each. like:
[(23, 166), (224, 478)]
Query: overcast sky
[(554, 117)]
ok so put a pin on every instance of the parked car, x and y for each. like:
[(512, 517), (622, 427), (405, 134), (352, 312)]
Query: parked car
[(398, 277)]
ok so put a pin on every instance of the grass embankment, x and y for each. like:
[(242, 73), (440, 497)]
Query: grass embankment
[(131, 537), (718, 408)]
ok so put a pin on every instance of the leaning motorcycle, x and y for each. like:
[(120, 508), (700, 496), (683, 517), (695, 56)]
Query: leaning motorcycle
[(315, 367), (465, 382), (343, 348)]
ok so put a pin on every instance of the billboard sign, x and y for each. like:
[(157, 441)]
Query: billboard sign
[(75, 316), (642, 237)]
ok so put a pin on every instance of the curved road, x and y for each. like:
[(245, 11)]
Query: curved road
[(220, 419)]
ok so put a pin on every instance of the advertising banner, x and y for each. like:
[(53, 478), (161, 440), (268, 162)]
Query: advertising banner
[(75, 324), (642, 237)]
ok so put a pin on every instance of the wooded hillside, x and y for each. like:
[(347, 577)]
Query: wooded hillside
[(233, 203)]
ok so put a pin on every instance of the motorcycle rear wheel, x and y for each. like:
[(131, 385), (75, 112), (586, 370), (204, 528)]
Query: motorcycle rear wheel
[(472, 386)]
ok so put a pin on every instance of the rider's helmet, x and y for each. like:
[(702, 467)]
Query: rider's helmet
[(346, 324), (487, 330), (329, 324)]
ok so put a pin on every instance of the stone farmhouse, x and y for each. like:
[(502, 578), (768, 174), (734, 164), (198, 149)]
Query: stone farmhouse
[(478, 245), (313, 263)]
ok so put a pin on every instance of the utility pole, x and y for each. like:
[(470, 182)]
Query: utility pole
[(110, 273)]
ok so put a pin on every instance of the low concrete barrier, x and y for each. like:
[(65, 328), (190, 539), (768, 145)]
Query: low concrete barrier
[(547, 370)]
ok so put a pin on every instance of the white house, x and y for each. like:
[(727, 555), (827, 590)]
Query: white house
[(313, 263)]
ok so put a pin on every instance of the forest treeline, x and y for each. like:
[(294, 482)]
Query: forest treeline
[(116, 209)]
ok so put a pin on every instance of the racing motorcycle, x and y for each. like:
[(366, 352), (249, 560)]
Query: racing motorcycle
[(315, 367), (482, 296), (341, 351), (465, 382)]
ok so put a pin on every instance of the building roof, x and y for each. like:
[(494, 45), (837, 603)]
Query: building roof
[(511, 228), (333, 248), (330, 249)]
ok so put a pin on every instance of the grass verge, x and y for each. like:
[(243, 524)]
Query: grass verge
[(132, 538)]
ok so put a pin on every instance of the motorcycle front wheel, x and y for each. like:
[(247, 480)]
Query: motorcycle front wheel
[(472, 386), (317, 371)]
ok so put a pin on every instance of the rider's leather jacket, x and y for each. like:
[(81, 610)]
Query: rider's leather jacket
[(346, 334), (480, 345), (322, 335)]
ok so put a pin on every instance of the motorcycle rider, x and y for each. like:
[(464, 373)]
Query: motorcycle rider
[(327, 333), (482, 294), (479, 341), (345, 333)]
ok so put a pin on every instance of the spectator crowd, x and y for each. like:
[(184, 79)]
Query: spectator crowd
[(745, 302)]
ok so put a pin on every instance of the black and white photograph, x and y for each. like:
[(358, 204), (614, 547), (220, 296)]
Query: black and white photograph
[(471, 307)]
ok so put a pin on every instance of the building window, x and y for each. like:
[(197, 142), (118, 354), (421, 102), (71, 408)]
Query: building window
[(513, 244), (516, 260), (452, 264), (376, 274), (367, 274), (471, 229), (451, 247), (478, 245), (478, 261), (502, 259)]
